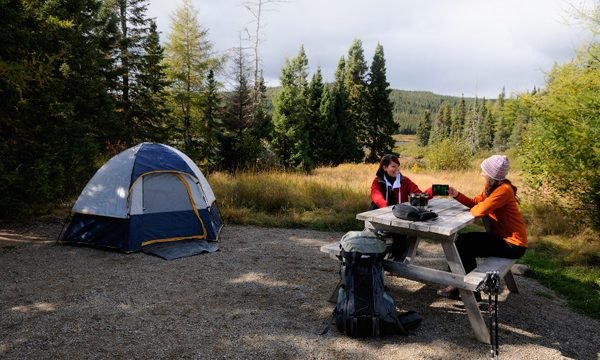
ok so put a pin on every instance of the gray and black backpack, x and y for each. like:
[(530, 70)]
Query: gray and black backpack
[(364, 306)]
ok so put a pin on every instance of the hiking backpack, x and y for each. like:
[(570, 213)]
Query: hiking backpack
[(364, 305)]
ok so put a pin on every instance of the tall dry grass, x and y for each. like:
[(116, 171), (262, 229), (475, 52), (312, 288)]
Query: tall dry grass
[(328, 198)]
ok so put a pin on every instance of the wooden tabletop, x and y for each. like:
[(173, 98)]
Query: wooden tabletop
[(452, 216)]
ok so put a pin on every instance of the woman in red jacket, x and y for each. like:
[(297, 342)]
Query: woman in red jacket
[(497, 205), (390, 187)]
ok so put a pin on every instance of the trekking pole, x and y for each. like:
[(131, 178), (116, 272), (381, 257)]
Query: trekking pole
[(496, 320), (491, 285)]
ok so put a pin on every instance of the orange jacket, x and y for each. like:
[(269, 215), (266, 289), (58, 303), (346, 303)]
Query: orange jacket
[(503, 210)]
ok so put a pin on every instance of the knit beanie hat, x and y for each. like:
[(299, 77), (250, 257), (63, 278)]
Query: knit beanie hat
[(496, 167)]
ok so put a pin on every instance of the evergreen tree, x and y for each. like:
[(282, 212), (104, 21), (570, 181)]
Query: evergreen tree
[(314, 97), (424, 129), (139, 95), (262, 125), (502, 128), (459, 114), (151, 113), (290, 139), (380, 125), (238, 114), (188, 59), (518, 112), (55, 111), (441, 127), (471, 132), (487, 130), (331, 143), (348, 150), (357, 96), (212, 113)]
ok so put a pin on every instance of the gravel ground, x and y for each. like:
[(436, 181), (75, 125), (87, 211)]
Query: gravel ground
[(263, 296)]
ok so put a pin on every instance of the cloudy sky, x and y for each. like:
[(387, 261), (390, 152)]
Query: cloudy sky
[(450, 47)]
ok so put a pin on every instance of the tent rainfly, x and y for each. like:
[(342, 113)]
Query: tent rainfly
[(147, 194)]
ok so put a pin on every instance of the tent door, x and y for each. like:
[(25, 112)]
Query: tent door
[(168, 210)]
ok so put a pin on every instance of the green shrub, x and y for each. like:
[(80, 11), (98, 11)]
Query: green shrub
[(448, 155)]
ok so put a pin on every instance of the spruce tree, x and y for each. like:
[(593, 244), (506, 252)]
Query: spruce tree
[(290, 139), (331, 142), (238, 113), (138, 93), (471, 131), (502, 129), (151, 113), (424, 129), (348, 150), (380, 125), (213, 124), (459, 114), (486, 130), (441, 127), (357, 96), (314, 97)]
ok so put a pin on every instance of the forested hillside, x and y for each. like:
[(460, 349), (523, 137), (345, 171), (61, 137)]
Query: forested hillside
[(409, 107)]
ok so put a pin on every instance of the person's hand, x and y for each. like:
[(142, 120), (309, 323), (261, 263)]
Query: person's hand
[(452, 191)]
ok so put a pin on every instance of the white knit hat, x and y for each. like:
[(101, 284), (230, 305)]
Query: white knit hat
[(496, 167)]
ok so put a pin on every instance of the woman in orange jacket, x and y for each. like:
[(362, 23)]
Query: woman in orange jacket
[(389, 188), (497, 205)]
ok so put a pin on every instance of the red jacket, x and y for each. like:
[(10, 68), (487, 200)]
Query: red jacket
[(406, 187)]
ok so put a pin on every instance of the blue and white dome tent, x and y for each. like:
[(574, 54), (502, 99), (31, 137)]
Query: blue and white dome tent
[(147, 194)]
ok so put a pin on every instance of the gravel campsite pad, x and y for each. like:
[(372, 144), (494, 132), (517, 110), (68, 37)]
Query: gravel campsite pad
[(262, 296)]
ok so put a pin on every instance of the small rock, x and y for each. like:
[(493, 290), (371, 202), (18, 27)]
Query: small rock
[(519, 269)]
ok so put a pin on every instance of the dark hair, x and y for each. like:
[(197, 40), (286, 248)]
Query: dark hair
[(492, 185), (385, 161)]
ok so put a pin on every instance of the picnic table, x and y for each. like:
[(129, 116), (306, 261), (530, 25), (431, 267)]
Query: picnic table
[(452, 216)]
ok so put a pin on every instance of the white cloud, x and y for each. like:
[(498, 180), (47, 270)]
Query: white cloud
[(448, 47)]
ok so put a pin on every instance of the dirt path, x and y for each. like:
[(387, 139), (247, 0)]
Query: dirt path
[(263, 296)]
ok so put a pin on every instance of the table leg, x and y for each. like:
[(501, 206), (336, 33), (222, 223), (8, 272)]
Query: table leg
[(509, 280), (477, 323), (413, 243)]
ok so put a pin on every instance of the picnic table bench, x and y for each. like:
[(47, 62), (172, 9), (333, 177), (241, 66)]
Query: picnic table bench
[(452, 216)]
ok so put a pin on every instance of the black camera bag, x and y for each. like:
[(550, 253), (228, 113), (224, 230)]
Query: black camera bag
[(412, 213)]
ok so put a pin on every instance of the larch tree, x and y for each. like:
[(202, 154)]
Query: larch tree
[(380, 125), (188, 57)]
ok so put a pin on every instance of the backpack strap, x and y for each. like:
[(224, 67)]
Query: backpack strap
[(329, 323)]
